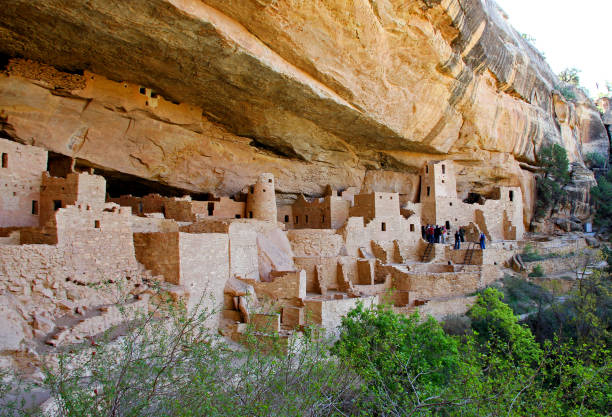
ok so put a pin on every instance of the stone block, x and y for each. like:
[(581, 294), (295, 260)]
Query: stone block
[(266, 323), (293, 316)]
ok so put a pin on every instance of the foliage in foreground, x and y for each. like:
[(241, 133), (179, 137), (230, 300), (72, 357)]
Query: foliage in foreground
[(382, 364)]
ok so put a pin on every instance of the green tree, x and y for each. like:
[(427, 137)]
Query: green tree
[(406, 364), (570, 76), (601, 198), (550, 186)]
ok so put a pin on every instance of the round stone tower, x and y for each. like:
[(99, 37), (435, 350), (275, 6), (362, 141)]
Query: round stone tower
[(261, 200)]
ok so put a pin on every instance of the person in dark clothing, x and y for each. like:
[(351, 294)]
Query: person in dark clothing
[(462, 234), (431, 234), (457, 240), (437, 234), (423, 233), (482, 241)]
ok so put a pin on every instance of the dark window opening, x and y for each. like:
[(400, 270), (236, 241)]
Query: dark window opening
[(297, 219), (34, 207), (140, 208), (251, 189), (383, 226), (442, 181), (286, 219), (264, 190), (238, 216), (57, 204), (428, 191), (391, 198), (447, 225), (4, 160), (270, 180), (211, 208), (97, 224), (450, 204), (511, 195), (412, 227), (153, 94), (444, 169), (306, 218), (250, 214), (143, 91), (323, 218), (427, 169)]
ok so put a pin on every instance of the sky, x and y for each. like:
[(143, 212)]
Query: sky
[(570, 33)]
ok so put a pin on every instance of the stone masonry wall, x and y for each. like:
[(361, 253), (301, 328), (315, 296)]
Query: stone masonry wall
[(21, 167)]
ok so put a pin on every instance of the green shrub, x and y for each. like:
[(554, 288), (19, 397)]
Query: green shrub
[(566, 92), (595, 159), (523, 296), (537, 271)]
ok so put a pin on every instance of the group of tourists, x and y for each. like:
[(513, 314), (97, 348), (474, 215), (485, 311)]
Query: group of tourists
[(434, 233), (438, 234)]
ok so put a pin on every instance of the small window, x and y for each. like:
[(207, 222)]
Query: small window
[(323, 218), (442, 181), (250, 214), (4, 160), (450, 204), (286, 219), (297, 219), (34, 207), (412, 227), (140, 207), (143, 91), (264, 190), (238, 216), (97, 224), (428, 191), (306, 218), (443, 169), (251, 189), (380, 197), (153, 94), (270, 180), (427, 169), (57, 204), (391, 198), (211, 208), (447, 224), (383, 226), (511, 195)]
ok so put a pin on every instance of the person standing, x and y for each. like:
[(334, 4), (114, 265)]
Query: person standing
[(462, 234), (457, 240), (437, 234), (482, 241), (443, 234)]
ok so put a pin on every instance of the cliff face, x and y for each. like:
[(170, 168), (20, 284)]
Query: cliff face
[(316, 92)]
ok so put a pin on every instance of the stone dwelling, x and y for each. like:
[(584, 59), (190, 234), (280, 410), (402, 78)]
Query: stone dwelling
[(79, 254)]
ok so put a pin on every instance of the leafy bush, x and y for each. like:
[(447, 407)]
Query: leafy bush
[(566, 92), (523, 296), (602, 201), (399, 358), (177, 367), (537, 271), (595, 159)]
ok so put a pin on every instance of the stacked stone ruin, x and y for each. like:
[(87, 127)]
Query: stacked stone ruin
[(68, 251)]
